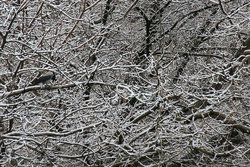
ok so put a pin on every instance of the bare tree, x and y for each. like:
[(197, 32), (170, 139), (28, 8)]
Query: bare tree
[(130, 83)]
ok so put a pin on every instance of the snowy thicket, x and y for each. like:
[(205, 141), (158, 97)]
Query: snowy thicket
[(138, 83)]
